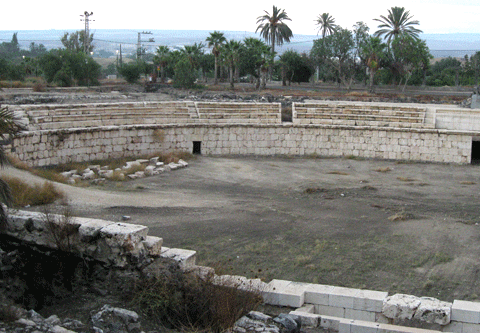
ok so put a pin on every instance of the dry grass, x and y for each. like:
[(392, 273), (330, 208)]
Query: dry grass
[(401, 216), (338, 173), (384, 169), (189, 303), (465, 182), (25, 194), (406, 179)]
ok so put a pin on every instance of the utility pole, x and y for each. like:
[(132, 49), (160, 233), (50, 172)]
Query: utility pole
[(86, 38), (139, 43)]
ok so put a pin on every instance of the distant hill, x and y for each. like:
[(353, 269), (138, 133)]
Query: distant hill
[(441, 45)]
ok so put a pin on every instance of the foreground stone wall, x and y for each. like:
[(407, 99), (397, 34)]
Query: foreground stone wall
[(339, 309), (43, 148)]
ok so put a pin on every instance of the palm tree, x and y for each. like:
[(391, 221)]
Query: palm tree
[(231, 57), (9, 126), (194, 52), (215, 41), (161, 58), (273, 29), (398, 22), (326, 24)]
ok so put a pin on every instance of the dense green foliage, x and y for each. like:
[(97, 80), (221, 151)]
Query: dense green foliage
[(67, 68), (185, 75)]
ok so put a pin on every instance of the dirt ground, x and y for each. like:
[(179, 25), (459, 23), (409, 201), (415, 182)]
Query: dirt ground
[(383, 225)]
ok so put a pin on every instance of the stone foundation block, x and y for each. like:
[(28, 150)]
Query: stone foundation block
[(465, 311), (369, 300), (330, 311), (185, 258), (309, 308), (342, 297), (307, 319), (360, 315), (330, 322), (318, 294), (285, 293), (153, 245), (124, 235)]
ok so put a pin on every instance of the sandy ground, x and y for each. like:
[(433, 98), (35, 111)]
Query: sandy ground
[(398, 227)]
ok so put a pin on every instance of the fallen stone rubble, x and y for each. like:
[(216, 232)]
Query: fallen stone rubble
[(98, 174)]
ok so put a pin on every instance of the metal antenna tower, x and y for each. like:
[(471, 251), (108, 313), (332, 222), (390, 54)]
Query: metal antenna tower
[(139, 45), (86, 38)]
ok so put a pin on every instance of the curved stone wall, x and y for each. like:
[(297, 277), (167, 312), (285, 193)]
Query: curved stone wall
[(241, 129)]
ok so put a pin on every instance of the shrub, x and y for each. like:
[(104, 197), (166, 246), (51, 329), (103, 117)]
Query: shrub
[(131, 72), (25, 194), (180, 301), (184, 74)]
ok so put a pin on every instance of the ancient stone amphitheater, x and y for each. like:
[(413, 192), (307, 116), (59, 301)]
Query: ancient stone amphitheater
[(430, 133), (72, 133)]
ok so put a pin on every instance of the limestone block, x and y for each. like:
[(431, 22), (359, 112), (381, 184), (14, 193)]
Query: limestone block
[(318, 294), (309, 308), (326, 310), (470, 328), (307, 319), (150, 170), (285, 293), (185, 258), (330, 322), (342, 297), (369, 300), (88, 175), (400, 306), (360, 315), (124, 236), (465, 311), (90, 228), (355, 326), (182, 163), (434, 311), (153, 245)]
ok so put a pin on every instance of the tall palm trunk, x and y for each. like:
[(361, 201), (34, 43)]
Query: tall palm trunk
[(216, 70)]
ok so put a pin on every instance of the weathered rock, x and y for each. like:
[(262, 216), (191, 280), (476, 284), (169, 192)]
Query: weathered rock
[(400, 306), (116, 320), (433, 311), (89, 175), (290, 323)]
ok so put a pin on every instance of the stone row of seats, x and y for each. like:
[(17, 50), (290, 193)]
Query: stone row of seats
[(51, 117), (359, 115), (239, 112)]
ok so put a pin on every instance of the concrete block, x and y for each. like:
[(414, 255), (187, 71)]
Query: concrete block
[(330, 311), (369, 300), (318, 294), (307, 319), (465, 311), (285, 293), (342, 297)]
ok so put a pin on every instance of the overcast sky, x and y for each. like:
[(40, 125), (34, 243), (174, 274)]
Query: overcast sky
[(439, 16)]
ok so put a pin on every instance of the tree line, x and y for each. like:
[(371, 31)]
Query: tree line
[(394, 54)]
